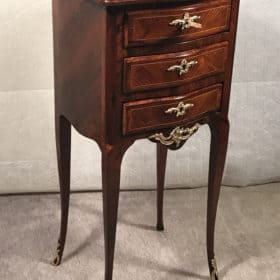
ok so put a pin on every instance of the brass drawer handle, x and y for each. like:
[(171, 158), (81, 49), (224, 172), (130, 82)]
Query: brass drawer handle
[(180, 110), (176, 136), (186, 22), (183, 67)]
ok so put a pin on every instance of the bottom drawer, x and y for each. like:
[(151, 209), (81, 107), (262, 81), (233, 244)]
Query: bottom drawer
[(149, 114)]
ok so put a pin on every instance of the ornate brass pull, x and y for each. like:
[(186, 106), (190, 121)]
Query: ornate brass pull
[(186, 22), (180, 110), (183, 67), (176, 136)]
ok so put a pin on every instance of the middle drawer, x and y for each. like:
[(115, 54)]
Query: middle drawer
[(168, 70)]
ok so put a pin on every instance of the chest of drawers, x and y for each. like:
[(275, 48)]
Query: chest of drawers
[(134, 69)]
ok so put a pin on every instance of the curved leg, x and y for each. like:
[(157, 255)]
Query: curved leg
[(219, 140), (63, 143), (161, 167), (111, 169)]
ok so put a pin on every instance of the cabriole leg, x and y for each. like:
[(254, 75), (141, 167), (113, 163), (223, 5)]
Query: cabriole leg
[(219, 140), (111, 169), (63, 144)]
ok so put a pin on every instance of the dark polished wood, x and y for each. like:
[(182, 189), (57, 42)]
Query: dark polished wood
[(115, 83), (161, 167)]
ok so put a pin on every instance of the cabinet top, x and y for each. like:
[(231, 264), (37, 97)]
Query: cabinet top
[(134, 2)]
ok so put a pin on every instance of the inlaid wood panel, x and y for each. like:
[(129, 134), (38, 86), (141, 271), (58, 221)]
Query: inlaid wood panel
[(153, 26), (151, 72), (150, 114)]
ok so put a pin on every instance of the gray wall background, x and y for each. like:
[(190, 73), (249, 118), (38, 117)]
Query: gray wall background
[(27, 146)]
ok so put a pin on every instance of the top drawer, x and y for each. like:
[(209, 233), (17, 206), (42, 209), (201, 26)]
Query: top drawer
[(181, 23)]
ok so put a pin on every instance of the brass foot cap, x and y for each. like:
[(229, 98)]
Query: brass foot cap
[(56, 261), (214, 270)]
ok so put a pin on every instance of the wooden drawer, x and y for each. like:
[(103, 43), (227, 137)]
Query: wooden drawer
[(155, 26), (154, 71), (139, 116)]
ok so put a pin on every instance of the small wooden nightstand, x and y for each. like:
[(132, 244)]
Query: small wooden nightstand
[(133, 69)]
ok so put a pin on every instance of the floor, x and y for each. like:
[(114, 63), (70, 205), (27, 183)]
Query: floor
[(247, 236)]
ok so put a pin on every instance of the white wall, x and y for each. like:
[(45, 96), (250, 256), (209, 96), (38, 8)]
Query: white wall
[(27, 147)]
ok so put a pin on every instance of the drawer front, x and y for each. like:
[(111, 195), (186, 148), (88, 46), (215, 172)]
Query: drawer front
[(144, 115), (181, 23), (167, 70)]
